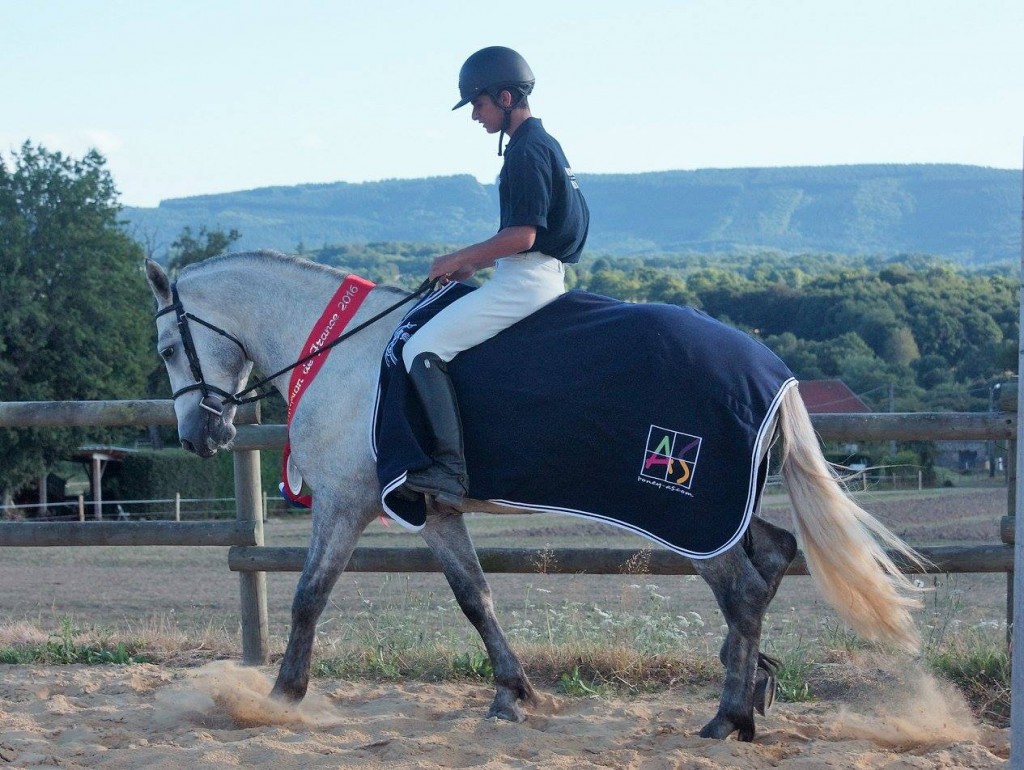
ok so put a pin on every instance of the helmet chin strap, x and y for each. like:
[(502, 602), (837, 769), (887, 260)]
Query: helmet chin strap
[(505, 121)]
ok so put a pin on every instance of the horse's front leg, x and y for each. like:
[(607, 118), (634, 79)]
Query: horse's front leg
[(334, 537), (447, 536)]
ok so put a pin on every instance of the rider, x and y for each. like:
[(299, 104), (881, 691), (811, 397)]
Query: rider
[(543, 225)]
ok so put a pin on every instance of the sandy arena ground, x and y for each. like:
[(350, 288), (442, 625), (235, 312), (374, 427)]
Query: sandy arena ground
[(217, 716)]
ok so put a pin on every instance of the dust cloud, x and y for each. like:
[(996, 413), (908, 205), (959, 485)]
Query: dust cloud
[(243, 694), (914, 711)]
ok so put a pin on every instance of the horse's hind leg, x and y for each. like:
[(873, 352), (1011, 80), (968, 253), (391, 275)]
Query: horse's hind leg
[(742, 595), (771, 550), (447, 536), (744, 581)]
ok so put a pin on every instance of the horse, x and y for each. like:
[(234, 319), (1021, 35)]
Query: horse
[(223, 316)]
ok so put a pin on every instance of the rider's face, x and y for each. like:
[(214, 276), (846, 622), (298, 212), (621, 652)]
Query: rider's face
[(487, 113)]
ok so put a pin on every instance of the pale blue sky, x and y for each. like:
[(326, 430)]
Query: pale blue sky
[(188, 97)]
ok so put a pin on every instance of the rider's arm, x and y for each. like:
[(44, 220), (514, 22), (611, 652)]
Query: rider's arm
[(461, 264)]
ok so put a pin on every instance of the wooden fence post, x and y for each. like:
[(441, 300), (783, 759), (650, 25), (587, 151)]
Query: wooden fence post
[(248, 502), (1008, 403)]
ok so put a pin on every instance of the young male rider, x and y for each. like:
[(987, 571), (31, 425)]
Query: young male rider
[(543, 225)]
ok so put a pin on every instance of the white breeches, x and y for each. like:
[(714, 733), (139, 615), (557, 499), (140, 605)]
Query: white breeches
[(520, 285)]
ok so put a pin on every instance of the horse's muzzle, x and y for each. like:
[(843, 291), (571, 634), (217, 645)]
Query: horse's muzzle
[(202, 450), (212, 430)]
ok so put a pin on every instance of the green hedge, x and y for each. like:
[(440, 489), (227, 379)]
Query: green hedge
[(158, 475)]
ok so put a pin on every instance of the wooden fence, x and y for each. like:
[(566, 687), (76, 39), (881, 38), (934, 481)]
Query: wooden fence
[(252, 559)]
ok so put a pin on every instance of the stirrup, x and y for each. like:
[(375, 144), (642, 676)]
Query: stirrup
[(444, 503), (435, 499)]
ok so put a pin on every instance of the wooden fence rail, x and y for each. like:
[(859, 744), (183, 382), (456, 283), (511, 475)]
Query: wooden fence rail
[(590, 561), (72, 533), (252, 559), (66, 414)]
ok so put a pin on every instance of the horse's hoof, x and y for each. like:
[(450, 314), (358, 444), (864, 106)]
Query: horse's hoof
[(507, 713), (765, 689), (288, 694), (766, 683), (506, 707), (721, 728), (768, 663)]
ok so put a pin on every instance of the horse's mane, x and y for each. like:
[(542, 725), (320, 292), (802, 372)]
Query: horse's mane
[(264, 257)]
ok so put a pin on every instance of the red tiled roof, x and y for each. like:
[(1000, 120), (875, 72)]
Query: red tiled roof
[(825, 396)]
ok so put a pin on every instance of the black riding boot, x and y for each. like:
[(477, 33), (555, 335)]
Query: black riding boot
[(445, 481)]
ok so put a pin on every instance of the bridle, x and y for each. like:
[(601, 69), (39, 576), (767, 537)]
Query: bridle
[(210, 404), (185, 332)]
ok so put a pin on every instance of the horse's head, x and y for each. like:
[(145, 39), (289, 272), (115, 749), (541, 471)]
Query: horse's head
[(206, 364)]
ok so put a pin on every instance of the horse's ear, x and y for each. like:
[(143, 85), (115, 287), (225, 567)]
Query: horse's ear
[(158, 283)]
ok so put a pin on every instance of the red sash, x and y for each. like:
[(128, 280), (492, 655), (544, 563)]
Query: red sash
[(339, 311)]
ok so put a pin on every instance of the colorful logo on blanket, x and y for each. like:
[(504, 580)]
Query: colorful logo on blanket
[(671, 457)]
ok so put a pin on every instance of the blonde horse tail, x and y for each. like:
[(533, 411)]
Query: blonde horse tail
[(842, 543)]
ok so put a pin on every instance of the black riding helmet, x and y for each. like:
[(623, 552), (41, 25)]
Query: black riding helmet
[(494, 70), (491, 71)]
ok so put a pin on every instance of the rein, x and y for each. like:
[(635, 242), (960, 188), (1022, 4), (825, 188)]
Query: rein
[(209, 404)]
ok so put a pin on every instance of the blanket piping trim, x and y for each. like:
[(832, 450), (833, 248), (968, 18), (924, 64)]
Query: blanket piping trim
[(754, 489)]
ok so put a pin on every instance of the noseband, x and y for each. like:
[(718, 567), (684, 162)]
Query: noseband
[(208, 403)]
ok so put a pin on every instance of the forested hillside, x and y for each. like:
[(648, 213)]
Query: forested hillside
[(966, 213), (932, 335)]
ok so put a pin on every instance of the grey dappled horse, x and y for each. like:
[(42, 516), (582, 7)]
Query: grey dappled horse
[(266, 303)]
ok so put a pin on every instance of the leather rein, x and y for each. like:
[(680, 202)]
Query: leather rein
[(211, 404)]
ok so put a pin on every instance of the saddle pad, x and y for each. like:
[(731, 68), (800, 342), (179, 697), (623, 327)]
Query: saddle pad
[(648, 417)]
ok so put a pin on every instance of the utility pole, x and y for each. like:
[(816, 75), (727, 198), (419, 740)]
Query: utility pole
[(1017, 652), (892, 408), (991, 442)]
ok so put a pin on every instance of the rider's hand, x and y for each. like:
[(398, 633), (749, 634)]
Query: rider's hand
[(444, 266), (463, 274)]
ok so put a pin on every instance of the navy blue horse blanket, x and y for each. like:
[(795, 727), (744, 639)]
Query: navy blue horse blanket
[(648, 417)]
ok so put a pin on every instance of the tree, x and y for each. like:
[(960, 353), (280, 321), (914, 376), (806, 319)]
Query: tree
[(75, 315), (187, 248)]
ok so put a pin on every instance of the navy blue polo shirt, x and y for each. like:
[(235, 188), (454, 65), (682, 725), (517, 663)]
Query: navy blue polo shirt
[(537, 187)]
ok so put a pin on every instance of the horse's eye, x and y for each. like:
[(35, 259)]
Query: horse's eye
[(167, 352)]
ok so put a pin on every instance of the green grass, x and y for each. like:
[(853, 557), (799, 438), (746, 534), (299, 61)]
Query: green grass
[(62, 648), (978, 663), (794, 675)]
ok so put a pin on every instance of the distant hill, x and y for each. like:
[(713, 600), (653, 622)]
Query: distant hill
[(967, 213)]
